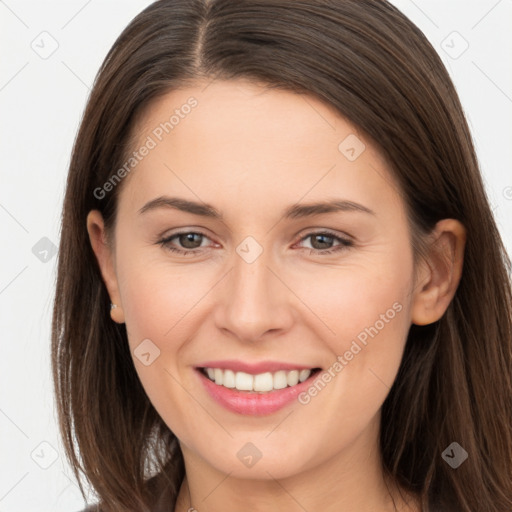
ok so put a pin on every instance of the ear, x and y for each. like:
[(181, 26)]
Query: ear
[(440, 275), (104, 252)]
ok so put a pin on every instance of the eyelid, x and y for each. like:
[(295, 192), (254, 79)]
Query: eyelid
[(324, 231), (303, 234), (167, 234)]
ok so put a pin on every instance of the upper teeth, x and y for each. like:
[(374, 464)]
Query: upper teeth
[(260, 382)]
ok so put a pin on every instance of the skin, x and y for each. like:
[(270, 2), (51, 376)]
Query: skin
[(251, 153)]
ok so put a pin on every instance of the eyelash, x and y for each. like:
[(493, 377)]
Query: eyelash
[(344, 243)]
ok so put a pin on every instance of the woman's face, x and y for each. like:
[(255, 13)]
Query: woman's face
[(268, 286)]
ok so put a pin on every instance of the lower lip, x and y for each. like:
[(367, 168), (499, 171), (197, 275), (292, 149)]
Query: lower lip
[(254, 404)]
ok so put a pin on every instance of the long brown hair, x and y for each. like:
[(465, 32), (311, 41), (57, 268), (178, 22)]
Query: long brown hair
[(377, 69)]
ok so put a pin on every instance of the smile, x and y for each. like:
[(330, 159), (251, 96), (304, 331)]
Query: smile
[(255, 394), (261, 382)]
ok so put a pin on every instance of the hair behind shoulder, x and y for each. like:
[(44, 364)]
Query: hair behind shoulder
[(375, 67)]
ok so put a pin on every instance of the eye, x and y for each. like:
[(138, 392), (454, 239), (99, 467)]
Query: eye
[(322, 238), (190, 240)]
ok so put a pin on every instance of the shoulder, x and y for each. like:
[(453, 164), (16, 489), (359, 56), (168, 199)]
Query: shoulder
[(91, 508)]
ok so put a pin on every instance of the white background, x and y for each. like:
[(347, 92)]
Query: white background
[(41, 102)]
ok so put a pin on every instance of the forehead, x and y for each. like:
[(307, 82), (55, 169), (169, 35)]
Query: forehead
[(229, 112), (238, 140)]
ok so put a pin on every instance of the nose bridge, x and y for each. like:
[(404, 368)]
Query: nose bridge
[(252, 279), (251, 276), (255, 299)]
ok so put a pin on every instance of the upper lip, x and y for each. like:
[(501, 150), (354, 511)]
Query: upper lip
[(254, 368)]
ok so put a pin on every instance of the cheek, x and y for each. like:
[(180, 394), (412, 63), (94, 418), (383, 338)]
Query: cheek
[(367, 310), (160, 299), (161, 304), (358, 303)]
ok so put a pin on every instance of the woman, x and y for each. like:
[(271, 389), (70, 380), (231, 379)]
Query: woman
[(209, 351)]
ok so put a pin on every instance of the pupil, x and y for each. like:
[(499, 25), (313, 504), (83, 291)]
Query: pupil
[(322, 236), (189, 238)]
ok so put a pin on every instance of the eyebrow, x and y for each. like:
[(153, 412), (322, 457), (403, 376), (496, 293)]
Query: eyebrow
[(294, 211)]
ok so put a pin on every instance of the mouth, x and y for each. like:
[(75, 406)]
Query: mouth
[(260, 383), (256, 388)]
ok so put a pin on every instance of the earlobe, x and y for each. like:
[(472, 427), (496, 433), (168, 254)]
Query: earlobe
[(116, 313), (441, 274), (105, 258)]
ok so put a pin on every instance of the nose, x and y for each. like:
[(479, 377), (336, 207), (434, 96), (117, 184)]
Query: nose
[(254, 300)]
